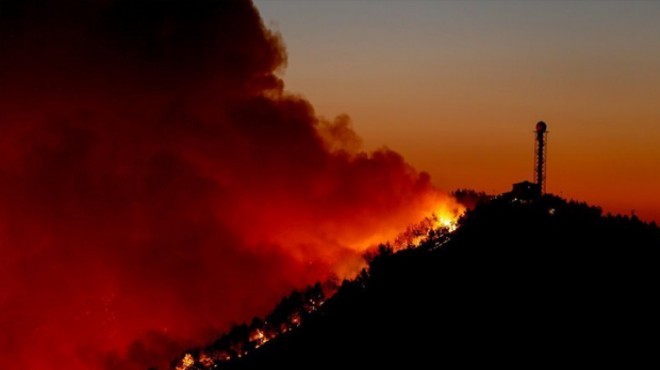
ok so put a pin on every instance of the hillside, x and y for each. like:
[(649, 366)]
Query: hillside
[(549, 282)]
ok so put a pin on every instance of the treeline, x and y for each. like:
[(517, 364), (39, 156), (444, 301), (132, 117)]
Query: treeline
[(288, 314)]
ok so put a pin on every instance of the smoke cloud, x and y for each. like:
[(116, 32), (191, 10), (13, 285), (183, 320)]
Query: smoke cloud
[(157, 184)]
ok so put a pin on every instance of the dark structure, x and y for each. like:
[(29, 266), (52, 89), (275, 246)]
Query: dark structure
[(540, 152), (530, 191), (525, 191)]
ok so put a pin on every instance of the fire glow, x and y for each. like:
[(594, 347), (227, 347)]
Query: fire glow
[(157, 183), (439, 225)]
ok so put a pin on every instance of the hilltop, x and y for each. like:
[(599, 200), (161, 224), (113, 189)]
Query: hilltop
[(518, 283)]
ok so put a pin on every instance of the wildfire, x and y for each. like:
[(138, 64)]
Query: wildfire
[(186, 363), (210, 358), (438, 225), (445, 220), (446, 215), (258, 338)]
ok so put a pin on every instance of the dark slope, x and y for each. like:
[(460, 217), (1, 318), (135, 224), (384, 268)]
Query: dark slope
[(543, 283)]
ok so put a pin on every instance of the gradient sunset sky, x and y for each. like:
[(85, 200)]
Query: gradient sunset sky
[(457, 87)]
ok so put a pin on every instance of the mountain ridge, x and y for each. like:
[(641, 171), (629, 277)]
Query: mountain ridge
[(519, 283)]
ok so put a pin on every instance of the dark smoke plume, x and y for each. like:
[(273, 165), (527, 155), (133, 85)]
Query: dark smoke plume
[(157, 184)]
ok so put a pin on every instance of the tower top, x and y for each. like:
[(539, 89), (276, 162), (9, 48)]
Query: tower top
[(541, 127)]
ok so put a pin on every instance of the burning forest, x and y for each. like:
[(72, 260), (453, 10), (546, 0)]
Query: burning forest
[(294, 310), (158, 183), (243, 339)]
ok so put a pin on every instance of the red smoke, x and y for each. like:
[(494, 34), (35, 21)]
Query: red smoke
[(157, 184)]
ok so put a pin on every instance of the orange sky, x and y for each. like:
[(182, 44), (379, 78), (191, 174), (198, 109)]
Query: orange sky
[(457, 87)]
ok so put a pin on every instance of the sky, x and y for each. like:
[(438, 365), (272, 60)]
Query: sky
[(457, 87)]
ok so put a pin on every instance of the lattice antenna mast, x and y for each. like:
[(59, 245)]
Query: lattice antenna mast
[(540, 155)]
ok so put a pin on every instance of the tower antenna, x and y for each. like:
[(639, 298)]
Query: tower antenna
[(540, 155)]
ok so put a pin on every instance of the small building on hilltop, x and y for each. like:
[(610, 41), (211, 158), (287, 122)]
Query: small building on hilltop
[(524, 192)]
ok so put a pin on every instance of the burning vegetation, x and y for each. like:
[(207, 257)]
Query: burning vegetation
[(294, 310), (243, 339)]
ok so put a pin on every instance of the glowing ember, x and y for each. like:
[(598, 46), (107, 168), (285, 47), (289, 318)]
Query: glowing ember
[(205, 360), (295, 319), (187, 362), (258, 338)]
